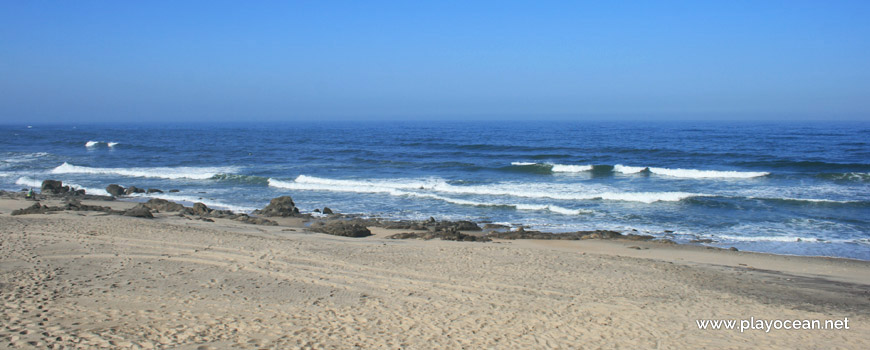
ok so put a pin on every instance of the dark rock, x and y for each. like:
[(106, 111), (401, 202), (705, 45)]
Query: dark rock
[(281, 206), (201, 209), (432, 225), (521, 233), (162, 205), (450, 235), (316, 210), (666, 241), (53, 187), (115, 190), (153, 190), (173, 191), (327, 211), (133, 189), (139, 211), (253, 220), (633, 237), (36, 208), (495, 227), (76, 205), (733, 249), (341, 228)]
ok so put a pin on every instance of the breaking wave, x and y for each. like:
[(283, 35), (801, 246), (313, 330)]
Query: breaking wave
[(195, 173)]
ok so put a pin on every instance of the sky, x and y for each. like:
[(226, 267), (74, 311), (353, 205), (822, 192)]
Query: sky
[(142, 61)]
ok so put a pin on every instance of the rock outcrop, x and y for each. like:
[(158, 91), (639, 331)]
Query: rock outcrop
[(343, 228), (162, 205), (281, 206), (139, 211), (115, 190), (53, 187)]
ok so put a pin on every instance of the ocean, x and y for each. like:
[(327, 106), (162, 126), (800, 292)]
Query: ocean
[(785, 188)]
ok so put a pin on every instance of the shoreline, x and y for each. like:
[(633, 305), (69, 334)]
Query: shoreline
[(89, 279)]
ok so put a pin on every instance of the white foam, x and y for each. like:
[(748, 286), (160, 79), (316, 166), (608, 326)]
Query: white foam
[(29, 182), (112, 144), (776, 239), (558, 168), (552, 208), (196, 173), (189, 200), (707, 174), (619, 168), (562, 168), (92, 143), (401, 187)]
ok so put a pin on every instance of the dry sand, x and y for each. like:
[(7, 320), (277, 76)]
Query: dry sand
[(88, 280)]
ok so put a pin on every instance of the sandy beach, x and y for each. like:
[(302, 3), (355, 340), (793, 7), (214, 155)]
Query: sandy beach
[(83, 279)]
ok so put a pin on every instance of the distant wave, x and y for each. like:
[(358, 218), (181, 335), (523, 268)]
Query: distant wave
[(556, 168), (525, 190), (690, 173), (847, 177), (624, 169), (195, 173), (92, 144)]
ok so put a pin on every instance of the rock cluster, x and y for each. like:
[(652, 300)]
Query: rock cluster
[(345, 228), (448, 235), (597, 234), (432, 225), (281, 206)]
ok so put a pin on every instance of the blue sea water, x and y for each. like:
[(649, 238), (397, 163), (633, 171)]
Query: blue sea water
[(785, 188)]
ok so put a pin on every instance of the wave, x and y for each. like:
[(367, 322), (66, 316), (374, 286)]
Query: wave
[(846, 177), (195, 173), (619, 168), (624, 169), (525, 190), (28, 182), (706, 174), (246, 179), (31, 182), (403, 189), (556, 168), (92, 144)]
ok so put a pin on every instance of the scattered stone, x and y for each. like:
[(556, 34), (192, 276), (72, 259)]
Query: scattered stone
[(733, 249), (153, 190), (521, 233), (133, 189), (666, 241), (327, 211), (36, 208), (174, 191), (162, 205), (281, 206), (201, 209), (450, 235), (495, 227), (343, 228), (116, 190), (139, 211), (316, 210)]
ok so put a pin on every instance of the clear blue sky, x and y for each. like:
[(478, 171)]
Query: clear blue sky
[(85, 61)]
